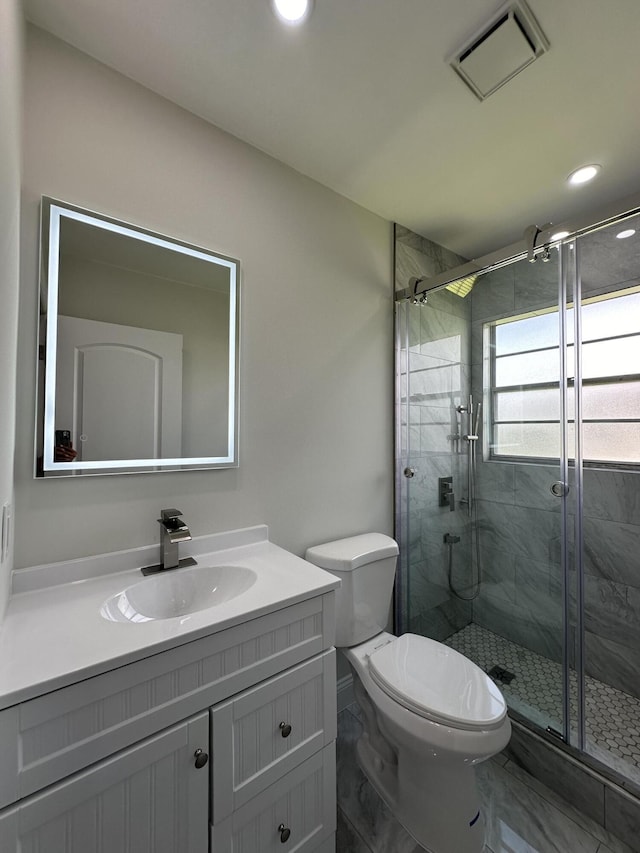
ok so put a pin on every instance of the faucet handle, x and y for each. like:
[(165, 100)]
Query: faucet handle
[(169, 514)]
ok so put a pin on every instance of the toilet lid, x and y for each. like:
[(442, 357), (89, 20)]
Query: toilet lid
[(437, 682)]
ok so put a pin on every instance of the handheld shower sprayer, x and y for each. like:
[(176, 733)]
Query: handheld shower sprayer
[(472, 437), (476, 423)]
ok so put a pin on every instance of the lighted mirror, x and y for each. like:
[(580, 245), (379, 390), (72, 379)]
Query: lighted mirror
[(138, 349)]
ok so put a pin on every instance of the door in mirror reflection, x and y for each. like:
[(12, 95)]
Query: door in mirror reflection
[(120, 390)]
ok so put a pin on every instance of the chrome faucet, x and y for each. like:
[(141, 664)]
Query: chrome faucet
[(173, 531)]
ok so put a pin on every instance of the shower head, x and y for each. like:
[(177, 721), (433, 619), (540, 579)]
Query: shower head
[(462, 286)]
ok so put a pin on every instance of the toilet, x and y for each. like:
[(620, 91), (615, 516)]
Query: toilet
[(429, 713)]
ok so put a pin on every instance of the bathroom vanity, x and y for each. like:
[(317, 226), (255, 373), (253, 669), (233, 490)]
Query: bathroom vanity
[(211, 730)]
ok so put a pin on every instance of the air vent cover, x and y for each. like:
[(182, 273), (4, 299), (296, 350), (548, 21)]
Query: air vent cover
[(500, 50)]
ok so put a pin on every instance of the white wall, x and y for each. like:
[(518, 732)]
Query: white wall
[(316, 448), (10, 62)]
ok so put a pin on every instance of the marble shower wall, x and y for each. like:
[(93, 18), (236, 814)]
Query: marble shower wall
[(521, 594), (438, 358)]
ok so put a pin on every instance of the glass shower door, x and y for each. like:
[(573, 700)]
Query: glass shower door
[(608, 581), (525, 483), (485, 560)]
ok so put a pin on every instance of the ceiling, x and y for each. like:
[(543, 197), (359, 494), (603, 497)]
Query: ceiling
[(362, 99)]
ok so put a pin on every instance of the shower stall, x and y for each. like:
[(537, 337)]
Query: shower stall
[(518, 475)]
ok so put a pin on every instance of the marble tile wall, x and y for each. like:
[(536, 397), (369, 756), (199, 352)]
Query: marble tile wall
[(438, 360), (417, 256)]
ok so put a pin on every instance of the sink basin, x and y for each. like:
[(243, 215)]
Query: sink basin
[(177, 592)]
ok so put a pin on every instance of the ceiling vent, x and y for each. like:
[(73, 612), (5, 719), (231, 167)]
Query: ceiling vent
[(500, 50)]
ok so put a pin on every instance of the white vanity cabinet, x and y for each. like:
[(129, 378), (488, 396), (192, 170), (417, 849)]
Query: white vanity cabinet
[(108, 765), (147, 799)]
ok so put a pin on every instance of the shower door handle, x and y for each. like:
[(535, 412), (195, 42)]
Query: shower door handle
[(559, 489)]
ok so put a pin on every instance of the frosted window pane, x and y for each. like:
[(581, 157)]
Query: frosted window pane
[(526, 368), (527, 440), (528, 334), (611, 442), (617, 316), (621, 400), (518, 361), (611, 358), (528, 405)]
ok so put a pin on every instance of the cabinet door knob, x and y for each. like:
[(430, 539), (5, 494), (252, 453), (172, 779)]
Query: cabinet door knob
[(285, 832), (201, 758), (285, 728)]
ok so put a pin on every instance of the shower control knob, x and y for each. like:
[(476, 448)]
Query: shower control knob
[(409, 473), (559, 489)]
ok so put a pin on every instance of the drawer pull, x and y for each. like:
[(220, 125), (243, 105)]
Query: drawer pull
[(201, 758), (285, 728), (285, 832)]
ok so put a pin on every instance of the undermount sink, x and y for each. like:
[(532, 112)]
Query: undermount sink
[(178, 592)]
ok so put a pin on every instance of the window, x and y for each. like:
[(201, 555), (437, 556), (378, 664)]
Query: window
[(524, 389)]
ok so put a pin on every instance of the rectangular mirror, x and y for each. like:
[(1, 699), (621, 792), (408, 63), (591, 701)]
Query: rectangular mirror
[(138, 349)]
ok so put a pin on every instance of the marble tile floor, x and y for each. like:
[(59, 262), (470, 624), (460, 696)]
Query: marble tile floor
[(612, 717), (522, 815)]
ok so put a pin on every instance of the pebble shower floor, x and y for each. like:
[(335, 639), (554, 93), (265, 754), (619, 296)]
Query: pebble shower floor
[(612, 717)]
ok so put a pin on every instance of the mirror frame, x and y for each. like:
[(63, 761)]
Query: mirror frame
[(51, 213)]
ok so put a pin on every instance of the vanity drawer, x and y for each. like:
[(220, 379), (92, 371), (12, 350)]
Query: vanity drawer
[(304, 802), (57, 734), (262, 734)]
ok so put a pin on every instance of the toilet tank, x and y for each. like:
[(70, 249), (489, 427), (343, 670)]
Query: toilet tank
[(366, 565)]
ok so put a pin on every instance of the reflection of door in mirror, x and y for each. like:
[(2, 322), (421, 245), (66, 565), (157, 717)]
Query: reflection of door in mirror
[(119, 390)]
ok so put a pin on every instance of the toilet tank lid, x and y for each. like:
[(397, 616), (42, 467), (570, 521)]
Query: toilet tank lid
[(345, 555)]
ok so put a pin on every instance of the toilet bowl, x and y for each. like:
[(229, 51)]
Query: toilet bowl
[(419, 752), (429, 714)]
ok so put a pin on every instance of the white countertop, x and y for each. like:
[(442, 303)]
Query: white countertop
[(53, 634)]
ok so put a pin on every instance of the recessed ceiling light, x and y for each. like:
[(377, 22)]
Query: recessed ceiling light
[(624, 234), (292, 11), (584, 174), (559, 236)]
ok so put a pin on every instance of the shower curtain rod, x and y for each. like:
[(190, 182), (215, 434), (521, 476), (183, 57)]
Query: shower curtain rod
[(577, 226)]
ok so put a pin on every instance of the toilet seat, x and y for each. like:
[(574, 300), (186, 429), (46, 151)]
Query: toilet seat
[(438, 683)]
